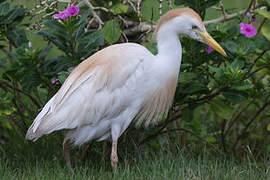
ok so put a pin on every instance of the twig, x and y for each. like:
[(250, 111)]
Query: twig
[(223, 140), (230, 16), (139, 10), (160, 7), (142, 27), (255, 61), (92, 9), (207, 97), (229, 125), (260, 68), (223, 9), (261, 25), (250, 122), (170, 4), (248, 9), (5, 84)]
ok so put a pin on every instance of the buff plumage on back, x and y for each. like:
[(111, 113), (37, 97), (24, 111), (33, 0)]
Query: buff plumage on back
[(110, 72), (104, 71)]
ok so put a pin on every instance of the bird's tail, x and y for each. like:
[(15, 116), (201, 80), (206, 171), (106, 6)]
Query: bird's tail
[(34, 132)]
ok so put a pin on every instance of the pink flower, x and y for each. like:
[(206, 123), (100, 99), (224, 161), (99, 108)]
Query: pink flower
[(71, 70), (62, 15), (54, 80), (248, 30), (209, 49), (73, 10)]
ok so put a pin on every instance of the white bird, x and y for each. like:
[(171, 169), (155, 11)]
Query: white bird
[(120, 84)]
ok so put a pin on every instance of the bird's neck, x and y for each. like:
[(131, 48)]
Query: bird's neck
[(169, 46)]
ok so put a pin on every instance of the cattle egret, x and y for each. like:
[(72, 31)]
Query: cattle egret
[(120, 84)]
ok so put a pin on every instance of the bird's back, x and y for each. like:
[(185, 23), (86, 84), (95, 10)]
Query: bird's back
[(101, 87)]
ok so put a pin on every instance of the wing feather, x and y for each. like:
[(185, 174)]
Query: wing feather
[(81, 99)]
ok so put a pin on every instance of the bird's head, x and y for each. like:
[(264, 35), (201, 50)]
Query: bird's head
[(186, 22)]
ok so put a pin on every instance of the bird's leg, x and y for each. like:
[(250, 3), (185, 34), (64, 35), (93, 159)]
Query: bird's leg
[(66, 148), (85, 152), (114, 157)]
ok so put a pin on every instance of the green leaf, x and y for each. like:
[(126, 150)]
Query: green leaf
[(268, 127), (266, 32), (17, 37), (83, 18), (235, 96), (221, 109), (237, 64), (13, 57), (44, 52), (14, 16), (263, 13), (111, 31), (151, 46), (79, 33), (246, 46), (119, 8), (4, 8), (89, 44), (95, 39), (194, 87), (60, 44), (186, 77), (241, 86), (231, 46), (54, 25), (150, 10), (211, 139), (62, 76)]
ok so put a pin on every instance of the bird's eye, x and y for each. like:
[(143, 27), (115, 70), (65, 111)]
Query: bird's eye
[(195, 27)]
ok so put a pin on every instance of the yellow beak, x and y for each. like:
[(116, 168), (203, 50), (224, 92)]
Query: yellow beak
[(211, 42)]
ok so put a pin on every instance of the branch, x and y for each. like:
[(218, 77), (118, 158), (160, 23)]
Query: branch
[(207, 97), (233, 120), (91, 7), (223, 138), (255, 61), (142, 27), (260, 68), (250, 122), (5, 84), (261, 25), (160, 7), (248, 9)]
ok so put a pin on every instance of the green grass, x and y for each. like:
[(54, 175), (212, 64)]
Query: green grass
[(162, 165)]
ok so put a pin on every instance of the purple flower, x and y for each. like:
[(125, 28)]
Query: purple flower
[(73, 10), (253, 19), (54, 80), (248, 30), (249, 15), (62, 15), (209, 49), (71, 70)]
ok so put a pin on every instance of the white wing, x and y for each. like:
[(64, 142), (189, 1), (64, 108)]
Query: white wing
[(101, 87)]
